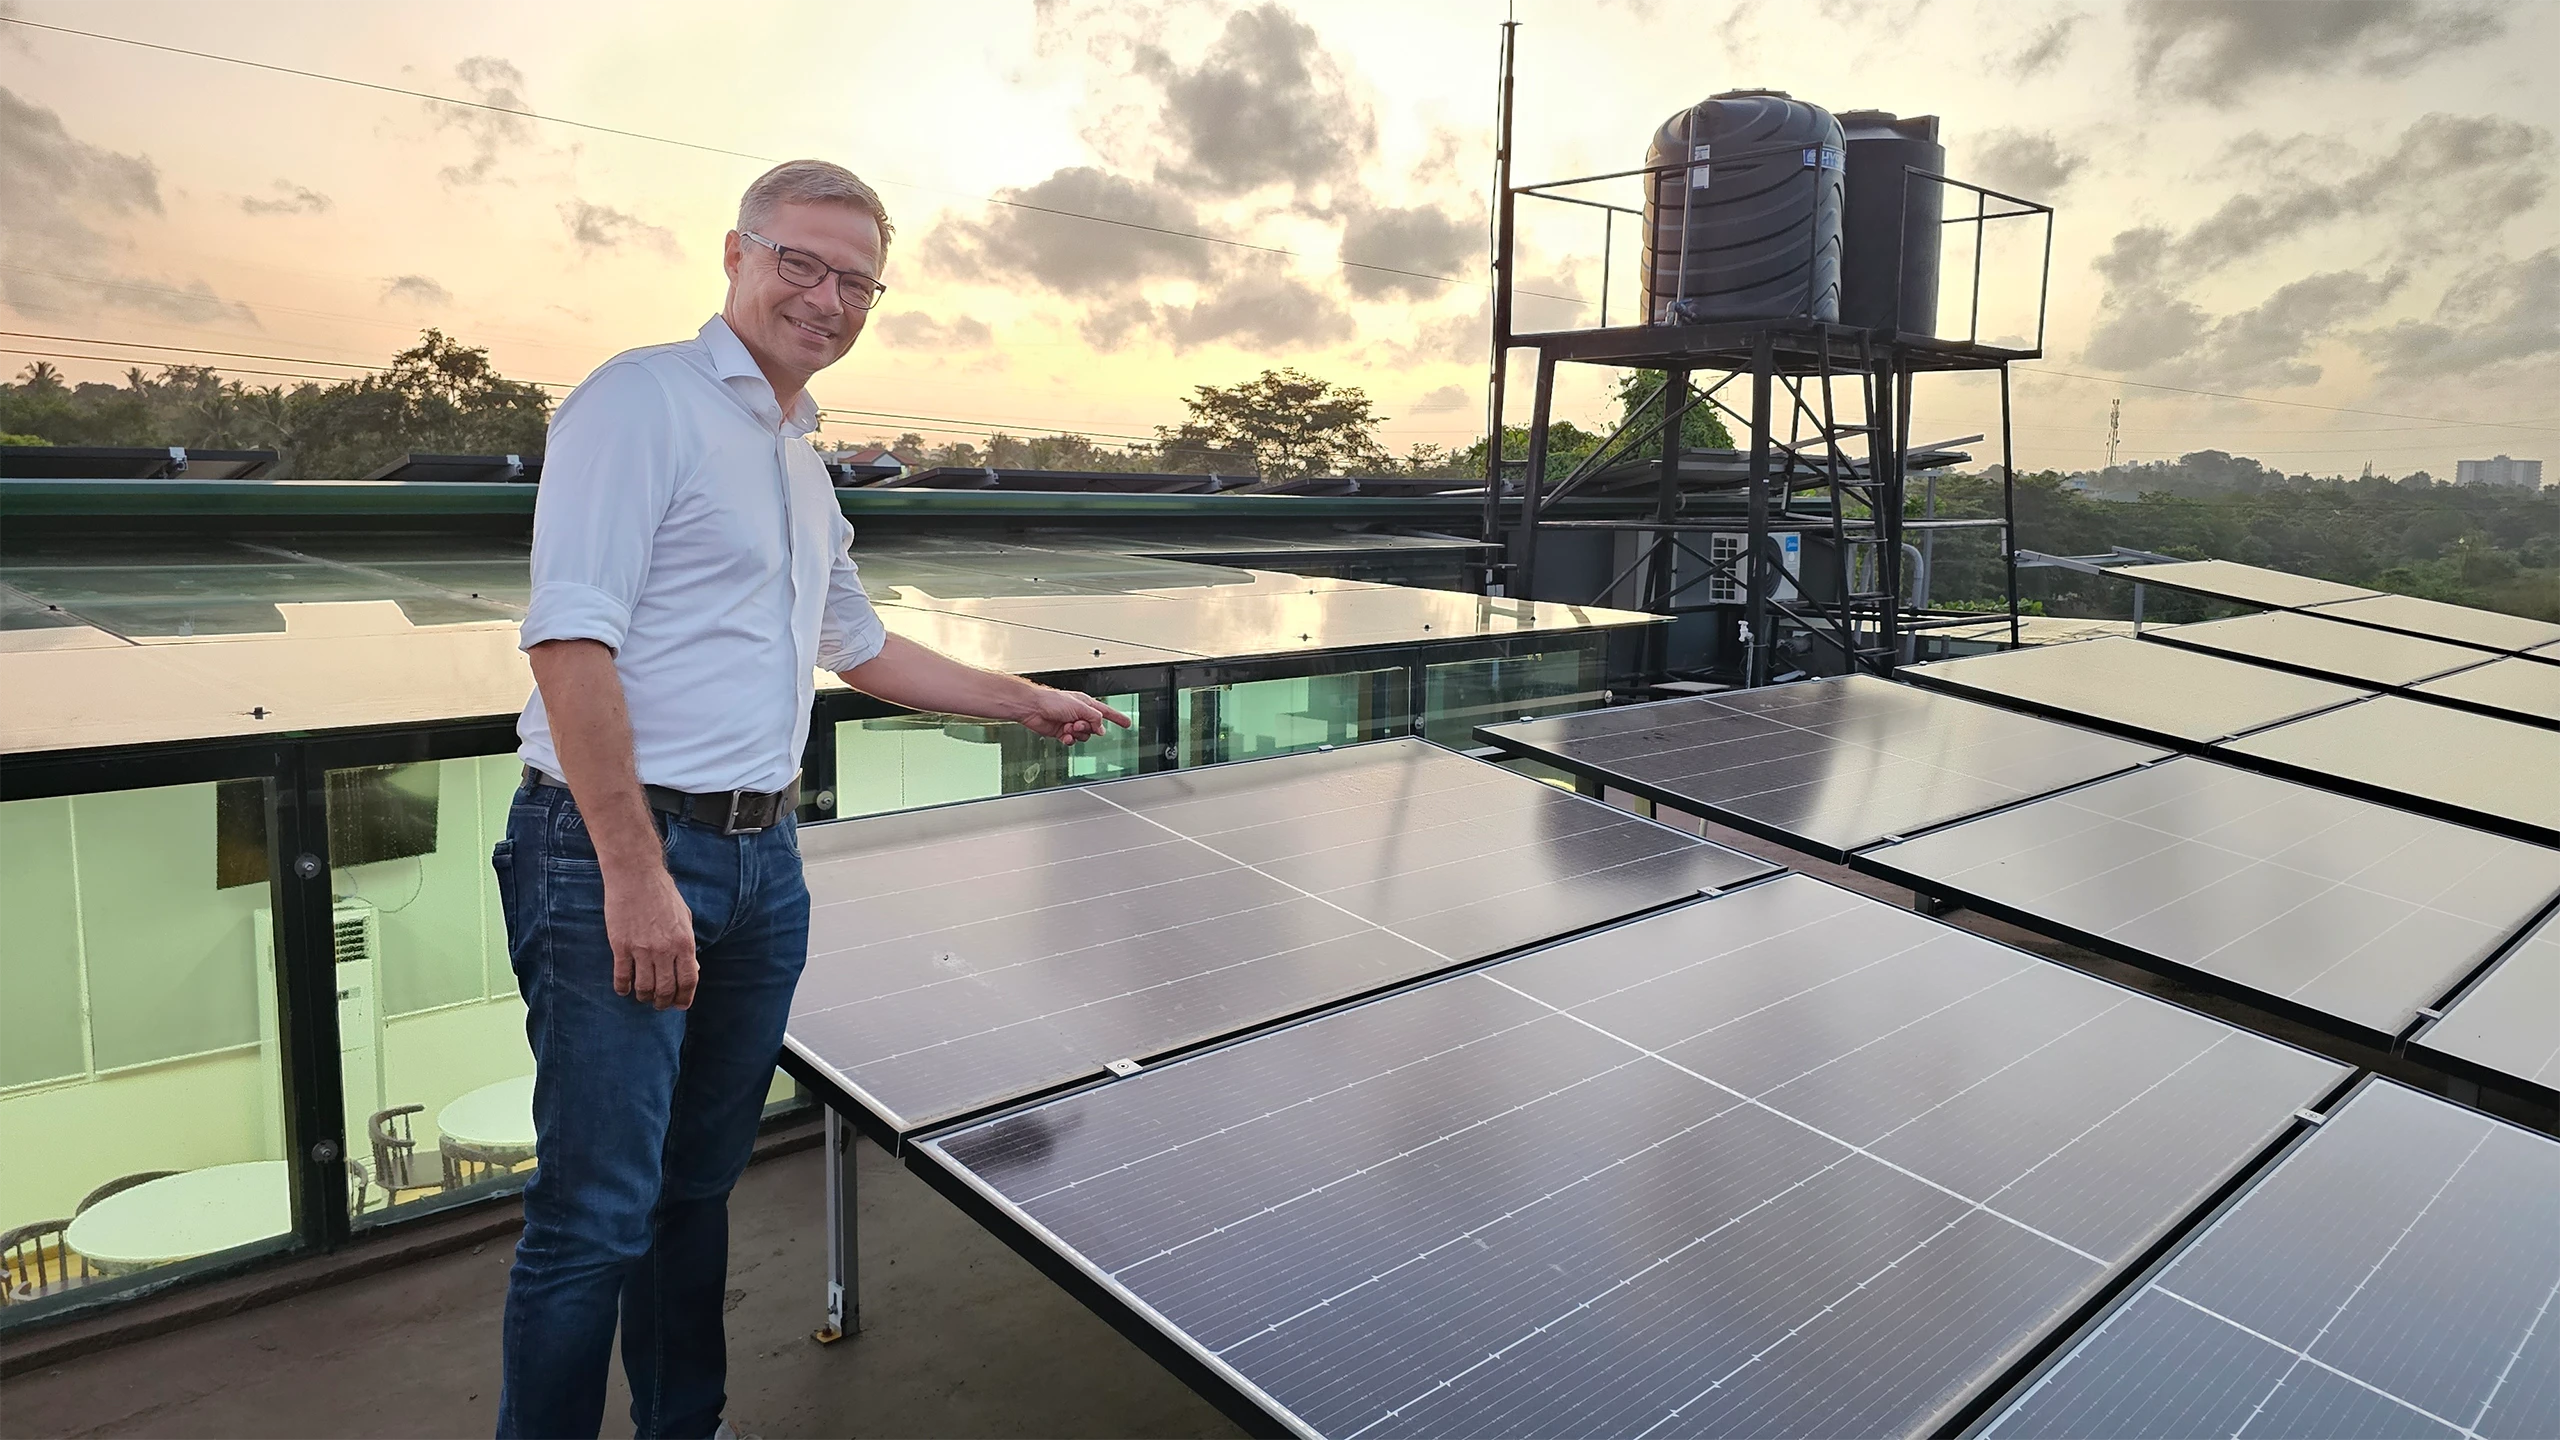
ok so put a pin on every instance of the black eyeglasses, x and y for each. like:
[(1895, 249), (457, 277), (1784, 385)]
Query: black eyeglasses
[(805, 270)]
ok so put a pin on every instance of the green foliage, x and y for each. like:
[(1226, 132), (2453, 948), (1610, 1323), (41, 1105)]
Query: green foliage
[(1702, 428), (8, 439), (2475, 545), (439, 396), (1282, 424)]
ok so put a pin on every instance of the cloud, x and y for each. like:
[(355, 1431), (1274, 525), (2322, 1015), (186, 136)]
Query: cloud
[(2498, 312), (2211, 49), (415, 290), (2045, 50), (1266, 105), (1268, 310), (1445, 400), (291, 199), (921, 331), (601, 227), (1038, 236), (2454, 175), (492, 82), (57, 190), (1421, 241), (2026, 163), (2161, 333)]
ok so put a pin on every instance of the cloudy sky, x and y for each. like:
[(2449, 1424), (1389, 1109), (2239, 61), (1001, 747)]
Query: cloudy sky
[(2336, 204)]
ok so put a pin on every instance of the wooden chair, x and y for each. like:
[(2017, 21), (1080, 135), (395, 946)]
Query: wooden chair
[(39, 1261), (118, 1186), (359, 1187), (395, 1153), (467, 1164)]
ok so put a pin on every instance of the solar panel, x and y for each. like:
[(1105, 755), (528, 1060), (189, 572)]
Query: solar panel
[(1825, 765), (2249, 584), (2393, 1275), (2331, 648), (2513, 686), (2507, 1028), (2183, 696), (2346, 913), (976, 954), (2503, 774), (1789, 1161), (2462, 623)]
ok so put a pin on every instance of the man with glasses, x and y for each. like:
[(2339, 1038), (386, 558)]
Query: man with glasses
[(689, 572)]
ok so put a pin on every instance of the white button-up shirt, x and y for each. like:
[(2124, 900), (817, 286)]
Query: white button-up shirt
[(684, 521)]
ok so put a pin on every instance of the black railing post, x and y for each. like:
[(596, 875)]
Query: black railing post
[(305, 939), (1756, 543)]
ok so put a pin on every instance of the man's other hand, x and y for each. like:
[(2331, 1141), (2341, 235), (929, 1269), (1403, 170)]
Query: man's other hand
[(1069, 718), (651, 932)]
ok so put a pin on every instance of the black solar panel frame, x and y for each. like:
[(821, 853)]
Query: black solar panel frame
[(2409, 690), (858, 1111), (1598, 776), (1257, 1414), (2535, 1104), (2318, 609), (2375, 1043), (1919, 677)]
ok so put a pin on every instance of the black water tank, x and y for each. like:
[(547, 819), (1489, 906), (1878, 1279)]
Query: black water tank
[(1889, 272), (1761, 205)]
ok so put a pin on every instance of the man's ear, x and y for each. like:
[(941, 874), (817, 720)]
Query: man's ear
[(732, 254)]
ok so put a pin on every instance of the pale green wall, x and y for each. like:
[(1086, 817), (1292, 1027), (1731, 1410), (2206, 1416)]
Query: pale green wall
[(39, 945), (63, 1141)]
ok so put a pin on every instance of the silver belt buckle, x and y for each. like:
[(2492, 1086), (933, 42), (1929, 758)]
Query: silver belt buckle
[(730, 826)]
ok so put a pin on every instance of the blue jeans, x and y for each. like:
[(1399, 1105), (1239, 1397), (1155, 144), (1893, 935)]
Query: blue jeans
[(643, 1118)]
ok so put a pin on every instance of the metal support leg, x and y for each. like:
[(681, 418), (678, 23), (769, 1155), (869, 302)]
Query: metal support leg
[(844, 1298)]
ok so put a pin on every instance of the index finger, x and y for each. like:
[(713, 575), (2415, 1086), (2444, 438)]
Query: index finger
[(1115, 716)]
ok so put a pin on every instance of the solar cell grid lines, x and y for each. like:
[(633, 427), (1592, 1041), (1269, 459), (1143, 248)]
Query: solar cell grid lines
[(2184, 695), (2393, 1275), (1786, 1161), (2249, 584), (1826, 765), (2346, 913), (978, 954), (2436, 619), (2333, 648), (2507, 1027), (2503, 774)]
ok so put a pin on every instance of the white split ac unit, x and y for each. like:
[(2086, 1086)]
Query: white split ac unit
[(356, 933), (1732, 549)]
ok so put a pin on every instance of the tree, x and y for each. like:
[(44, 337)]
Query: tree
[(1701, 427), (1281, 425)]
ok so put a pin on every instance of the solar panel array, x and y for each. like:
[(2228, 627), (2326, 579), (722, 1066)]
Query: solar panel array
[(969, 956), (2249, 584), (2185, 696), (2332, 648), (1827, 765), (2506, 1029), (2351, 914), (2461, 624), (1787, 1161), (2393, 1276), (2515, 685), (2476, 768)]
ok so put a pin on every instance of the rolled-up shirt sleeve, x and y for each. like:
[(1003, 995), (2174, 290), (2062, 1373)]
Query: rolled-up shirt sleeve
[(849, 632), (608, 475)]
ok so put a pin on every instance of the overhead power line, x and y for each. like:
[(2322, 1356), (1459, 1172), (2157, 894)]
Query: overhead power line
[(698, 146), (2296, 404)]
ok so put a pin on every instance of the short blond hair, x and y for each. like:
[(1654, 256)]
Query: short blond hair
[(803, 182)]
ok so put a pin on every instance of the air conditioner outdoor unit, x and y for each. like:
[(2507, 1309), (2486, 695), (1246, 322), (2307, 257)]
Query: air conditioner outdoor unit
[(1731, 548), (356, 934)]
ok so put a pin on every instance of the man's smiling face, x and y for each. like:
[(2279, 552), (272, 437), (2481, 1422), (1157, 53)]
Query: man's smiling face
[(793, 332)]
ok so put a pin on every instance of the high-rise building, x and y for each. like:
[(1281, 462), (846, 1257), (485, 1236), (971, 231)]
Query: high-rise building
[(2515, 474)]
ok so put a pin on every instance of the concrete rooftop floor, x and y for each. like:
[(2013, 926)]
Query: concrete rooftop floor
[(960, 1337)]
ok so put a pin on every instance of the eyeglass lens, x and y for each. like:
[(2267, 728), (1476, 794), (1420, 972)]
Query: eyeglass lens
[(804, 271)]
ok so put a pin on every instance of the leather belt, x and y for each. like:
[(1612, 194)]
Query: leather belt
[(731, 812)]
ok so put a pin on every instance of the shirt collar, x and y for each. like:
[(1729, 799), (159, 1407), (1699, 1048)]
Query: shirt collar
[(731, 362)]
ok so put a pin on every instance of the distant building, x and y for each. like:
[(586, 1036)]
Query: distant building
[(2514, 474)]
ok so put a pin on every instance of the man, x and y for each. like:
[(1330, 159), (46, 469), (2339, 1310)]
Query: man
[(689, 570)]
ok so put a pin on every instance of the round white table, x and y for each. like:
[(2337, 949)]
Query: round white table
[(182, 1216), (493, 1117)]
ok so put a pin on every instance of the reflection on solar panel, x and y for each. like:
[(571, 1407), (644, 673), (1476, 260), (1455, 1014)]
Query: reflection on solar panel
[(976, 954), (2347, 913), (2413, 616), (1787, 1162), (2181, 695), (2482, 770), (2250, 584), (2506, 1030), (2513, 686), (2395, 1275), (1827, 765), (2330, 648)]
